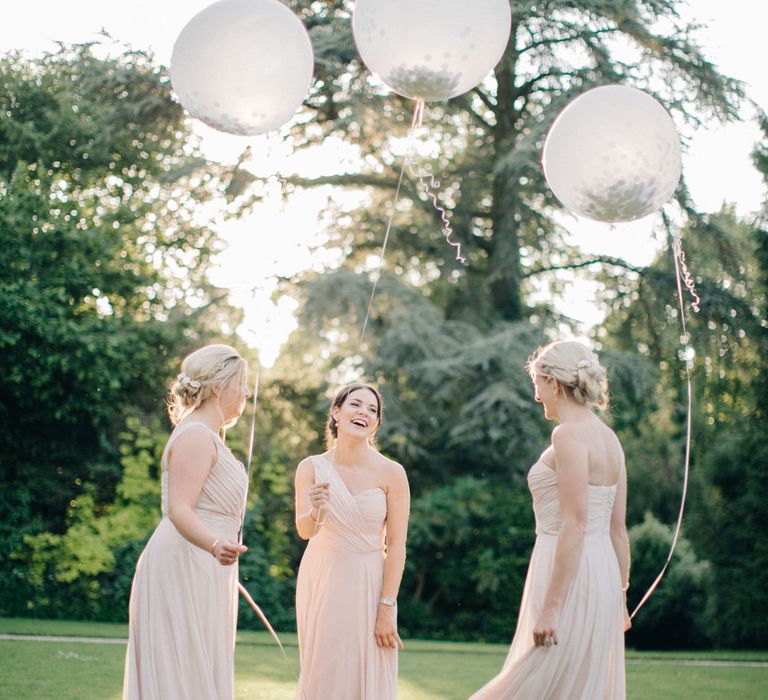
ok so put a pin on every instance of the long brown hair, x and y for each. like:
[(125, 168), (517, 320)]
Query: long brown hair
[(332, 428)]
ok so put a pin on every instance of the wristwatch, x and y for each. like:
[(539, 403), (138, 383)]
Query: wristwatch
[(389, 602)]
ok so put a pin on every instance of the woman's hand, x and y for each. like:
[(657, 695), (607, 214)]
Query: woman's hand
[(227, 552), (627, 618), (545, 630), (319, 494), (386, 628)]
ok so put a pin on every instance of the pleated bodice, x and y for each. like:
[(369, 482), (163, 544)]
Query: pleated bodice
[(338, 589), (542, 481), (353, 522), (220, 504), (183, 606)]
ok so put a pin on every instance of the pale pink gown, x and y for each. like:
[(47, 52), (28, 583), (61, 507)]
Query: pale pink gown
[(183, 608), (588, 662), (337, 598)]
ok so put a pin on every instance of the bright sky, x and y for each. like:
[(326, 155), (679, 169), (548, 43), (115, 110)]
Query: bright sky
[(275, 240)]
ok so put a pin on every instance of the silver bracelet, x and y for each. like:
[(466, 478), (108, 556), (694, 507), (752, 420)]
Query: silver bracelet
[(389, 602)]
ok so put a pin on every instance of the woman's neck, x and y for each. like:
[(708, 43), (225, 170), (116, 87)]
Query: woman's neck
[(208, 415), (568, 411), (349, 452)]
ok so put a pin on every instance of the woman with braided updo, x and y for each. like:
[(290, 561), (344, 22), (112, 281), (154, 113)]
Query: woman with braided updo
[(183, 607), (569, 641)]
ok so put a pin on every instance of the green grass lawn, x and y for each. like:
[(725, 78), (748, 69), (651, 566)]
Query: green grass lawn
[(36, 670)]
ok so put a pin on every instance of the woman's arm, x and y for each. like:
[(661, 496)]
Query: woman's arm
[(189, 463), (572, 460), (310, 500), (620, 539), (398, 512)]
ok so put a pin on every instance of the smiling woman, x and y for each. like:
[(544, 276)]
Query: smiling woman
[(352, 504)]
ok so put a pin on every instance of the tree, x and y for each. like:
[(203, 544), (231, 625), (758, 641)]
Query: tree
[(726, 510), (487, 146), (676, 615), (447, 343), (102, 274)]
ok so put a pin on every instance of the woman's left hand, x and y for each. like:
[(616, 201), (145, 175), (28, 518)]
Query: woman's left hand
[(545, 630), (386, 628)]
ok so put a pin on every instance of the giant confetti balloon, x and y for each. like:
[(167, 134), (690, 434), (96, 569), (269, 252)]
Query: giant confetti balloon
[(431, 49), (613, 154), (243, 66)]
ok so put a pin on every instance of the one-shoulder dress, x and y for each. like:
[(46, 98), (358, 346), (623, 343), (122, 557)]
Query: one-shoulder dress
[(337, 598), (183, 605), (588, 661)]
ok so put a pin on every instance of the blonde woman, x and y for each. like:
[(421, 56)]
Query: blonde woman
[(569, 641), (352, 504), (183, 607)]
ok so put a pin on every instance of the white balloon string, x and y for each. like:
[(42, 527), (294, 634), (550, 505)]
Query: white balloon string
[(682, 277), (250, 454), (244, 592), (260, 613), (262, 617), (677, 247), (418, 114), (430, 185)]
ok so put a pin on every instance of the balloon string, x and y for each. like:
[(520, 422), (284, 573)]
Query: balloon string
[(418, 115), (682, 276), (260, 613), (244, 592), (250, 455), (677, 248), (430, 185), (262, 617)]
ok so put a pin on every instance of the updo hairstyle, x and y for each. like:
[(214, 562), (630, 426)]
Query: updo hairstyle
[(210, 366), (576, 368), (332, 428)]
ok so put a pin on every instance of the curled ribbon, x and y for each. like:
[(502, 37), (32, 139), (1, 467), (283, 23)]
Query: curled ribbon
[(682, 277), (430, 185)]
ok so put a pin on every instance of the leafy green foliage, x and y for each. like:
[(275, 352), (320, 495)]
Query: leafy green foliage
[(447, 343), (468, 553), (727, 496), (676, 615), (102, 289)]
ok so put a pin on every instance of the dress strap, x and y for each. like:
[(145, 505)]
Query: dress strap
[(179, 430)]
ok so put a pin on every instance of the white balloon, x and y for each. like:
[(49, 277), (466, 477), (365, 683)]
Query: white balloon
[(613, 154), (431, 49), (243, 66)]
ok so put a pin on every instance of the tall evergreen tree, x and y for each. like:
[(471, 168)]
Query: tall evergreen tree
[(460, 334), (447, 343)]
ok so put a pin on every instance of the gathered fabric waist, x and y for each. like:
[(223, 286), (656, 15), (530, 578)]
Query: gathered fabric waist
[(332, 545), (220, 525), (588, 533)]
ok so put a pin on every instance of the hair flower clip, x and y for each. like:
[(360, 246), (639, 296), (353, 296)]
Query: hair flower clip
[(186, 380)]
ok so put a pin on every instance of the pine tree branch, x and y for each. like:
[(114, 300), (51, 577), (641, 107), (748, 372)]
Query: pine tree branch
[(343, 180), (598, 259)]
